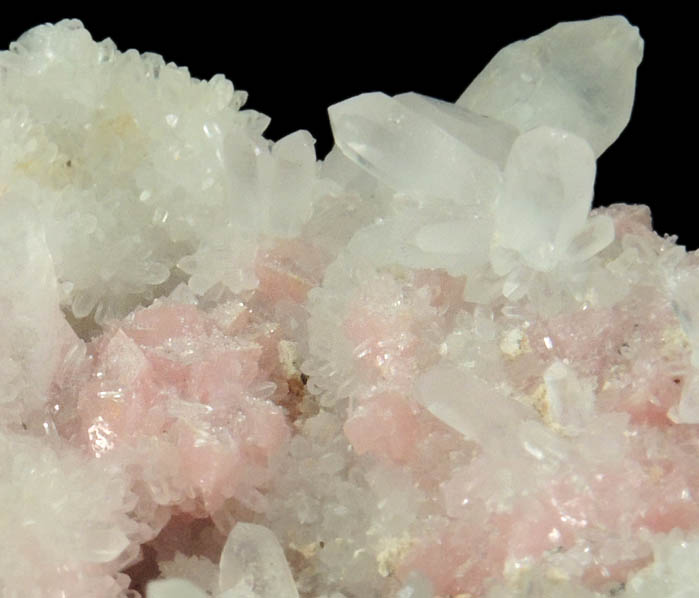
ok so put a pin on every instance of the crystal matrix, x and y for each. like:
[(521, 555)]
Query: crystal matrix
[(421, 367)]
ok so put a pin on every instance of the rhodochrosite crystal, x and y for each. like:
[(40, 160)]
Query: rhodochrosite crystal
[(422, 367)]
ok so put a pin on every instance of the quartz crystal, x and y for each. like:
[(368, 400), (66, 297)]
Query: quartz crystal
[(579, 77), (420, 367)]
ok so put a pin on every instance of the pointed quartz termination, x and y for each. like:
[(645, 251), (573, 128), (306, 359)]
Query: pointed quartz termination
[(411, 153), (549, 180), (578, 76), (253, 565)]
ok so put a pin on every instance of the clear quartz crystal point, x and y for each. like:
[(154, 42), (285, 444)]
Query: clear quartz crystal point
[(410, 152), (253, 564), (549, 179), (577, 76)]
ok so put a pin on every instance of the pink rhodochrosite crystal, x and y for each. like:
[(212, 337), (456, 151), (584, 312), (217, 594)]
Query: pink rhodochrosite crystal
[(168, 374), (422, 367)]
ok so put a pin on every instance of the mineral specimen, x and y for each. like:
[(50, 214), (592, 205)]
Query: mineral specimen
[(422, 367)]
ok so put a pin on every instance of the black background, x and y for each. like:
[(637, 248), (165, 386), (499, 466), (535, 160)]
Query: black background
[(296, 61)]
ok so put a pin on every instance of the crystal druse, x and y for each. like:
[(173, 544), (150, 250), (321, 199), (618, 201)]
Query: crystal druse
[(422, 367)]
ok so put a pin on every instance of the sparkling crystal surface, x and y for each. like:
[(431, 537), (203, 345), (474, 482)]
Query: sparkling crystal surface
[(423, 366)]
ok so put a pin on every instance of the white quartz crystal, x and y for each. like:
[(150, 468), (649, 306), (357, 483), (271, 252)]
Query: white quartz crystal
[(549, 178), (253, 564), (597, 234), (197, 570), (673, 573), (389, 139), (577, 76), (456, 398), (570, 402)]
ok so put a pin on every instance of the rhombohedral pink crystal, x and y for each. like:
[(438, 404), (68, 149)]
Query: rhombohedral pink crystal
[(421, 367)]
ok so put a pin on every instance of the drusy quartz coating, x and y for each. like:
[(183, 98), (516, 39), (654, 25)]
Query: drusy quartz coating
[(421, 367)]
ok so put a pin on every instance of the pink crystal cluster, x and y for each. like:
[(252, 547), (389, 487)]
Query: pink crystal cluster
[(323, 397)]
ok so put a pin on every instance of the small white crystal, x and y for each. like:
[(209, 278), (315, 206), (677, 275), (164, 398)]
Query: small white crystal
[(687, 411), (570, 402), (673, 572), (684, 288), (469, 405), (578, 76), (174, 588), (252, 556), (198, 570), (597, 234)]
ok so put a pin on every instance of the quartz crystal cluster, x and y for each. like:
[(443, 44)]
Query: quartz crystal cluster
[(422, 367)]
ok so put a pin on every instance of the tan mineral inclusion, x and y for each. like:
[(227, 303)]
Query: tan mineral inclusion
[(421, 367)]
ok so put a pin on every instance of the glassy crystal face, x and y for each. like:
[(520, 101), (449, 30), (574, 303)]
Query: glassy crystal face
[(421, 367), (579, 77)]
